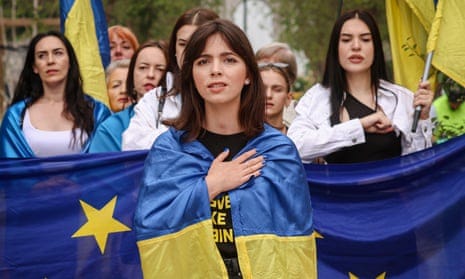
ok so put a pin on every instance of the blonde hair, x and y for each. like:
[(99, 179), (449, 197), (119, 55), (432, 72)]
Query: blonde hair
[(281, 53)]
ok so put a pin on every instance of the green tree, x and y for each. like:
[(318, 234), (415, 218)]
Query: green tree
[(151, 19)]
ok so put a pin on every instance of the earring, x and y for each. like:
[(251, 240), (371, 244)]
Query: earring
[(247, 81)]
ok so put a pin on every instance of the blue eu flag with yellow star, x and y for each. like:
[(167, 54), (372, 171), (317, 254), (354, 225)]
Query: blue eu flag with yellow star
[(397, 218), (69, 217)]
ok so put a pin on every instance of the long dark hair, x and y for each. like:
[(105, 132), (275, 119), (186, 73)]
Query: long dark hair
[(334, 76), (195, 16), (30, 88), (130, 88), (252, 106)]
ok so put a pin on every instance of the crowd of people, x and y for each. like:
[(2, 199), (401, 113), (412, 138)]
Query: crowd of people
[(206, 105)]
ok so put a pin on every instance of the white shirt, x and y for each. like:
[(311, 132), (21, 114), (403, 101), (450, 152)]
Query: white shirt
[(142, 130), (50, 143), (313, 135)]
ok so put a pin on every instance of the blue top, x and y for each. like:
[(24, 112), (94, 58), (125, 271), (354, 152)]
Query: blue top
[(108, 136)]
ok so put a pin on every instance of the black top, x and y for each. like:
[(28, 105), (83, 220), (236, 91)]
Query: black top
[(221, 207), (376, 146)]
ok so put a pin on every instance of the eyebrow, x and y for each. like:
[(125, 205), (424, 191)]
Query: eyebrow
[(221, 54), (45, 51), (350, 34)]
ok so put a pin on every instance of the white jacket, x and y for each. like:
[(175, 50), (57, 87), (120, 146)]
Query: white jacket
[(314, 136), (142, 130)]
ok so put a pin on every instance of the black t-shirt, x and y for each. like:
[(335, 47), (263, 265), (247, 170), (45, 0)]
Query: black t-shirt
[(376, 146), (221, 207)]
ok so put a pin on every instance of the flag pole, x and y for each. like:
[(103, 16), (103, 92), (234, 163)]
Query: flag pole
[(429, 58), (416, 115)]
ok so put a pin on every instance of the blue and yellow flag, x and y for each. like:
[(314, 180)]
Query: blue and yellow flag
[(271, 214), (409, 23), (84, 24), (446, 39)]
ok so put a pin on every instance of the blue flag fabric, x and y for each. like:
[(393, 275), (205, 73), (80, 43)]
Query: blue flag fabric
[(69, 217), (399, 218)]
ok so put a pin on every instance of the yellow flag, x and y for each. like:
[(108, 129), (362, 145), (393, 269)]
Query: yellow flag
[(409, 22), (80, 29), (447, 39)]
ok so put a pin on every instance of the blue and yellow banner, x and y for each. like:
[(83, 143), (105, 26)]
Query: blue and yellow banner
[(72, 216), (84, 24)]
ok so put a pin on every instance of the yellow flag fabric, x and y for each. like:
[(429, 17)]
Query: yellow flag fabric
[(409, 22), (447, 39), (260, 256), (79, 28)]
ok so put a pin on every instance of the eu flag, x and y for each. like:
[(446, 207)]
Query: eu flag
[(398, 218), (69, 217)]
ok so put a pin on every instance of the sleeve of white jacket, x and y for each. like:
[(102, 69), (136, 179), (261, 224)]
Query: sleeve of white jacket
[(142, 130), (312, 132)]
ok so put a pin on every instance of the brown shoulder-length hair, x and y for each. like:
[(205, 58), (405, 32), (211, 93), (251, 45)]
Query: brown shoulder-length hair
[(252, 107)]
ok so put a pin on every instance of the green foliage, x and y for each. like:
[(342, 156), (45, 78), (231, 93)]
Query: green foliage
[(150, 19)]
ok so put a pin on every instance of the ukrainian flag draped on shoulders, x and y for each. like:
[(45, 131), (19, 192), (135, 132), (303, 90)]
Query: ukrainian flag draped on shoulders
[(271, 214), (84, 24)]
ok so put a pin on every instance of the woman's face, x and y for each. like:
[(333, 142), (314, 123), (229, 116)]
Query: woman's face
[(277, 94), (120, 48), (149, 69), (116, 89), (51, 61), (356, 51), (219, 74), (182, 37)]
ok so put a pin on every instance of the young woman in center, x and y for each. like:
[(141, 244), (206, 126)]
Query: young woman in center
[(223, 194)]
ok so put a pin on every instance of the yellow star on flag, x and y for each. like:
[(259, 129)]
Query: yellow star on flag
[(381, 276), (100, 223), (317, 235)]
